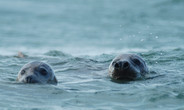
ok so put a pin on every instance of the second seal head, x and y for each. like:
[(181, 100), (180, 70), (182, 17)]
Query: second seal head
[(37, 72)]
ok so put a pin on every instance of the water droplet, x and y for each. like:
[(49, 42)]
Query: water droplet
[(156, 37)]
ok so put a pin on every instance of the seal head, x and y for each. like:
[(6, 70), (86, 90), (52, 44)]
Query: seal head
[(127, 67), (37, 72)]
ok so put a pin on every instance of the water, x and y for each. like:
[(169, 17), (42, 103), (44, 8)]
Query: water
[(79, 38)]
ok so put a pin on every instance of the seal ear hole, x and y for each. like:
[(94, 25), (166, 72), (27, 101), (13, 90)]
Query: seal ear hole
[(136, 61), (23, 72), (43, 71)]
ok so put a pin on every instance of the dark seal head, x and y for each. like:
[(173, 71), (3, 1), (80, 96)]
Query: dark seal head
[(128, 67), (37, 72)]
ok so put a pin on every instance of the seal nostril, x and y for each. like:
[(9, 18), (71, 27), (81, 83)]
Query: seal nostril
[(122, 65), (125, 65), (117, 65), (29, 79)]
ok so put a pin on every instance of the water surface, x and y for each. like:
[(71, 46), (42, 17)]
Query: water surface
[(79, 38)]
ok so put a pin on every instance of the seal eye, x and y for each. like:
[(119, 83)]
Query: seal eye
[(136, 61), (23, 72), (43, 72)]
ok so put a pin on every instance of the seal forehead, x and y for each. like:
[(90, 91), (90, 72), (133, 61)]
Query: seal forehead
[(126, 56), (122, 57), (36, 64), (32, 65)]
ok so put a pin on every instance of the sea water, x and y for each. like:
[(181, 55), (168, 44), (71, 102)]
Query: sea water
[(79, 39)]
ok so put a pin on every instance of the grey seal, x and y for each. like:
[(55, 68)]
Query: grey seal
[(37, 72), (128, 67)]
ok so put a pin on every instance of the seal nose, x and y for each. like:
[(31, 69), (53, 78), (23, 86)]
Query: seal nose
[(29, 79), (122, 64)]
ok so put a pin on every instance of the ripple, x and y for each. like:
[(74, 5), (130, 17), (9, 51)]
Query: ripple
[(56, 53)]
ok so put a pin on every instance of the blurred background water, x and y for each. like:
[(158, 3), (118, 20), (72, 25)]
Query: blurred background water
[(79, 38)]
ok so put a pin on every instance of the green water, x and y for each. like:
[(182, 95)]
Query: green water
[(79, 38)]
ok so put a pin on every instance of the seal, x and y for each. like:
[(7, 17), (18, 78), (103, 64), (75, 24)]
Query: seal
[(127, 67), (37, 72)]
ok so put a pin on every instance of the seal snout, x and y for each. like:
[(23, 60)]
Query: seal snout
[(30, 79), (122, 65)]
